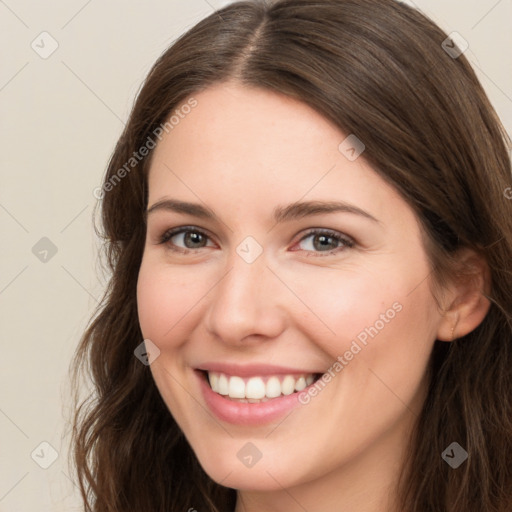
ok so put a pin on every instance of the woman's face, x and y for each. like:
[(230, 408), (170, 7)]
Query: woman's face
[(245, 295)]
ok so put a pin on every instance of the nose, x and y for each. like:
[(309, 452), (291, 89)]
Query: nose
[(247, 304)]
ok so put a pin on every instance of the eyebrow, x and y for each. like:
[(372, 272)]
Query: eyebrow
[(280, 213)]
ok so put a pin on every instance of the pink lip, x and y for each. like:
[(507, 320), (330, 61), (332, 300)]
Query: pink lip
[(253, 369), (245, 413)]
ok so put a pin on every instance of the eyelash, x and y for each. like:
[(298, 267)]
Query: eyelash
[(345, 240)]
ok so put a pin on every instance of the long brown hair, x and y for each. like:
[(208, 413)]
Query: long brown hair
[(377, 69)]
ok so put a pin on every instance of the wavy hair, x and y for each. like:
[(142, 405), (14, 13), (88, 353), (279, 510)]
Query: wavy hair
[(378, 69)]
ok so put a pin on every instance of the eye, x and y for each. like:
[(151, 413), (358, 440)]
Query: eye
[(189, 237), (325, 241)]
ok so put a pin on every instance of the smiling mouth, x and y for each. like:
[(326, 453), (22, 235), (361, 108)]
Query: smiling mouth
[(258, 389)]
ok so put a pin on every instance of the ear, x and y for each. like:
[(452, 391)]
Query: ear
[(466, 302)]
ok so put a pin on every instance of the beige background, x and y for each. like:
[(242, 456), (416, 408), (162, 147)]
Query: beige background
[(60, 118)]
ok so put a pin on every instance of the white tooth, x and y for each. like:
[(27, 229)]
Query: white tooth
[(236, 387), (273, 388), (300, 384), (309, 380), (255, 388), (223, 385), (288, 385), (214, 381)]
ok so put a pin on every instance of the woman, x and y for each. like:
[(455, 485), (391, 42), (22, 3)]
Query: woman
[(310, 239)]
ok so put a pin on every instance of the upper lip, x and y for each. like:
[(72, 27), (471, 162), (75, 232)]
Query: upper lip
[(252, 370)]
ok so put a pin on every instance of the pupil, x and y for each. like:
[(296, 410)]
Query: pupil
[(322, 239), (193, 237)]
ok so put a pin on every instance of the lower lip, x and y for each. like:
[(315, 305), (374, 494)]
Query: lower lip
[(240, 413)]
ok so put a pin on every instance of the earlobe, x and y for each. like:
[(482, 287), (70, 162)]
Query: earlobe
[(447, 329), (463, 317), (469, 304), (452, 336)]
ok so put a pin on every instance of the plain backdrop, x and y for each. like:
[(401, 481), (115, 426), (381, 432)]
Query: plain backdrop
[(60, 118)]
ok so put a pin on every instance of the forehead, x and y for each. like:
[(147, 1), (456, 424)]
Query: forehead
[(231, 122), (248, 145)]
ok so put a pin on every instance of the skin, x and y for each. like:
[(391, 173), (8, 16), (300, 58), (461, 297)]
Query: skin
[(242, 152)]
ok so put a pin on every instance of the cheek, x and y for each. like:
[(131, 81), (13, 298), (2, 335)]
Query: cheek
[(165, 303), (167, 299), (389, 306), (151, 296), (343, 303)]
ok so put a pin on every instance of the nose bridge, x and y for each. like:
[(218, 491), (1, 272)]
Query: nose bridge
[(245, 302)]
